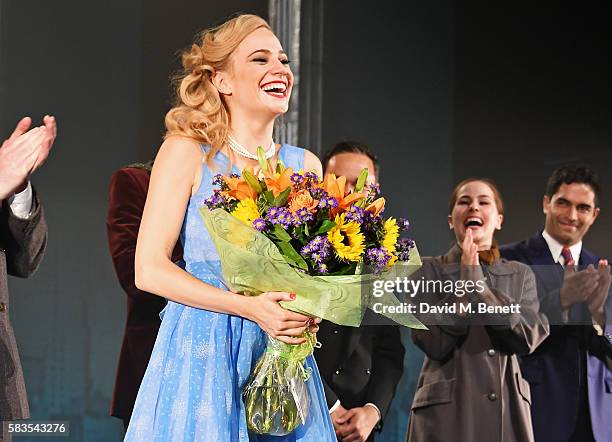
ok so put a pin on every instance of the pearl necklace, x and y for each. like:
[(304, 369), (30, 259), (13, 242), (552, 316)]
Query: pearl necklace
[(240, 150)]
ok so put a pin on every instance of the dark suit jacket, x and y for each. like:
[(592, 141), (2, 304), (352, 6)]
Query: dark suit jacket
[(360, 365), (127, 196), (571, 360), (22, 244)]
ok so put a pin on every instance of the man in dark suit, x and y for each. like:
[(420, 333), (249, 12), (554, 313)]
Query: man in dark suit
[(127, 196), (360, 367), (570, 373), (23, 236)]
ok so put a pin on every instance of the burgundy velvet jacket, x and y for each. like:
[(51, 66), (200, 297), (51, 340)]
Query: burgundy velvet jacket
[(127, 196)]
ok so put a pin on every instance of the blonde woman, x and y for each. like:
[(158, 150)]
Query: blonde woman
[(236, 82)]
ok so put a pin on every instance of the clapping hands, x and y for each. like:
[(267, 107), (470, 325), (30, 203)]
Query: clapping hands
[(590, 285), (24, 152)]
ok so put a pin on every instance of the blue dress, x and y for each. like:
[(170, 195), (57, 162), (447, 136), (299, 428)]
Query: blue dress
[(192, 388)]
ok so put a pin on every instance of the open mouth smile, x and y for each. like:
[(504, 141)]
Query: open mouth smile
[(277, 89), (473, 222)]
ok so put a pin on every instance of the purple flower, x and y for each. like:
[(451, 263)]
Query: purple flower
[(404, 245), (235, 175), (297, 178), (378, 258), (259, 224), (322, 268), (403, 224), (303, 215), (215, 201), (328, 202), (318, 249), (374, 189), (318, 193), (217, 180), (355, 213), (281, 216), (311, 176)]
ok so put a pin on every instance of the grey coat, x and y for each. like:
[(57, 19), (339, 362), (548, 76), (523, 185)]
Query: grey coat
[(22, 243), (470, 387)]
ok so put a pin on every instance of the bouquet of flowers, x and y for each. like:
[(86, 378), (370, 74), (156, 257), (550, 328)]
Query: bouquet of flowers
[(285, 230)]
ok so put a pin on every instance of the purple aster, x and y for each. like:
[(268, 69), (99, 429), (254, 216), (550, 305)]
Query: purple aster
[(297, 178), (318, 249), (328, 202), (322, 268), (403, 224), (318, 193), (218, 180), (214, 201), (404, 245), (303, 215), (378, 258), (355, 213), (374, 189), (311, 176), (259, 224)]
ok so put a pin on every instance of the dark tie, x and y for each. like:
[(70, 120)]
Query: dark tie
[(567, 255)]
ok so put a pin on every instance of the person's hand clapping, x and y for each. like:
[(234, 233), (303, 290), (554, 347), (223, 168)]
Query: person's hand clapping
[(24, 152), (597, 298), (279, 323), (577, 285), (469, 257)]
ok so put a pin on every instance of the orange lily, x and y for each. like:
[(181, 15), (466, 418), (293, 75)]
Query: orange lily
[(335, 187), (239, 188), (277, 182), (376, 207)]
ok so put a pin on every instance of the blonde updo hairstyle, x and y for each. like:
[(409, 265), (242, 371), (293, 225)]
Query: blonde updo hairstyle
[(200, 112)]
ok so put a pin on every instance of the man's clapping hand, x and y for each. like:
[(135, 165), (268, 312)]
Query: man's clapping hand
[(24, 152), (598, 296)]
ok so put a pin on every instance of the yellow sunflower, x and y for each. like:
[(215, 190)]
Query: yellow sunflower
[(390, 237), (347, 239), (246, 211)]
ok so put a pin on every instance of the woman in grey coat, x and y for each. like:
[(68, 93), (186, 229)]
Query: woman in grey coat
[(470, 387)]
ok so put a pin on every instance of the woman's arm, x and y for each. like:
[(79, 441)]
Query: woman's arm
[(175, 177), (312, 163)]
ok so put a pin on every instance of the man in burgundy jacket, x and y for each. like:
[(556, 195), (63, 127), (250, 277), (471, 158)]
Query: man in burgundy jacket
[(127, 196)]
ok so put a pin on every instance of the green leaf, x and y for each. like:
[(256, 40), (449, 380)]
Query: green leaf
[(291, 256), (252, 181), (325, 227), (281, 233), (282, 197), (269, 196), (363, 176), (261, 157), (280, 167), (306, 229)]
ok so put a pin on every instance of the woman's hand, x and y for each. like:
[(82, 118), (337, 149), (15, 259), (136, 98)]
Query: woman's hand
[(281, 324), (470, 250)]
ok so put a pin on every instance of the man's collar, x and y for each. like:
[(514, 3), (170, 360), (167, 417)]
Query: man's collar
[(556, 247)]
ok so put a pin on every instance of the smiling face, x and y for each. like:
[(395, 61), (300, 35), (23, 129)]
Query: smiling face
[(258, 80), (475, 209), (570, 212)]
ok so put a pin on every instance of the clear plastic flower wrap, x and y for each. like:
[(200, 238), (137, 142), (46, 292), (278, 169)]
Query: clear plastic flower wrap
[(276, 398)]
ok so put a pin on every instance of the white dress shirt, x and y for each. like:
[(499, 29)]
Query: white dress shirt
[(21, 203)]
